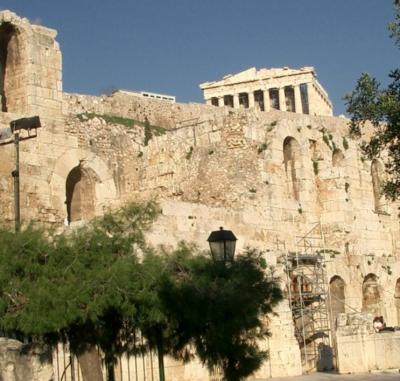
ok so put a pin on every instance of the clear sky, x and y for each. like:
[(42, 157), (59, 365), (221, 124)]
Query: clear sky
[(171, 46)]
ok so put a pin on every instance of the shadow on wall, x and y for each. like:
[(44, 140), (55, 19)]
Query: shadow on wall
[(11, 68), (291, 158)]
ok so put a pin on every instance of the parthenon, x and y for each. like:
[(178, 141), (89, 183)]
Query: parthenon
[(270, 89)]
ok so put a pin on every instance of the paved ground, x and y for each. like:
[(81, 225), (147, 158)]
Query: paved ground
[(384, 376)]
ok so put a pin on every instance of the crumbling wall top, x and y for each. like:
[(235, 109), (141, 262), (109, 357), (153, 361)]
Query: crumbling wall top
[(25, 24)]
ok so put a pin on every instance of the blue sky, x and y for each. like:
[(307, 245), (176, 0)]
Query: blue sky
[(171, 46)]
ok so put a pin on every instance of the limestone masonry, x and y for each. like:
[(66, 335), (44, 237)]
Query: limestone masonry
[(270, 163)]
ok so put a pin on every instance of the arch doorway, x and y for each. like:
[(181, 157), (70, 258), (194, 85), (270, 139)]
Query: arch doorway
[(371, 296), (80, 194), (397, 300), (337, 297)]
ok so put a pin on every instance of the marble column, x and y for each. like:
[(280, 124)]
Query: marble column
[(209, 101), (282, 99), (251, 99), (221, 101), (236, 101), (297, 100)]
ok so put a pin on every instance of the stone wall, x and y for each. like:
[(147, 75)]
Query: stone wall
[(228, 170), (19, 362), (32, 76), (159, 113), (361, 349)]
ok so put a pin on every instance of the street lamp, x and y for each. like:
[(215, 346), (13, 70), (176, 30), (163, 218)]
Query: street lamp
[(24, 124), (222, 245)]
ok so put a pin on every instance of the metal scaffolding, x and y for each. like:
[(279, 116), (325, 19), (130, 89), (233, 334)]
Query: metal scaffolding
[(308, 298)]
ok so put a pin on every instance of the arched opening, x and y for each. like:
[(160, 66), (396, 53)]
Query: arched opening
[(11, 69), (371, 296), (337, 158), (291, 158), (80, 195), (397, 300), (376, 175), (337, 298)]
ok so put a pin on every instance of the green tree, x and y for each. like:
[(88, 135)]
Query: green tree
[(394, 27), (100, 286), (219, 310), (79, 288), (369, 102)]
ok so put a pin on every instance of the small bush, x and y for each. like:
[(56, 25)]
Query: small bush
[(189, 153), (262, 147), (315, 167), (345, 143), (325, 138), (147, 132)]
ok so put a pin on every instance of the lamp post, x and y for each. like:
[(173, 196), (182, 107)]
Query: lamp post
[(222, 245), (30, 125)]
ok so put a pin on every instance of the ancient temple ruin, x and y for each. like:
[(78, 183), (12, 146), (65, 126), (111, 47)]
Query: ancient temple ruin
[(270, 89), (270, 163)]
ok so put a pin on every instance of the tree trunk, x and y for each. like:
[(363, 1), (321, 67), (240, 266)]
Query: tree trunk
[(160, 354), (110, 369), (90, 364)]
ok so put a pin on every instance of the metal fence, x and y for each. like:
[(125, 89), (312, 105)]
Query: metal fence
[(127, 368)]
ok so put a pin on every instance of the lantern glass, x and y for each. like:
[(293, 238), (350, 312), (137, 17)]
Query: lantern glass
[(222, 245)]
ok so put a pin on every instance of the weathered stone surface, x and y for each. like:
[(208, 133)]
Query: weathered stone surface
[(361, 349), (20, 362)]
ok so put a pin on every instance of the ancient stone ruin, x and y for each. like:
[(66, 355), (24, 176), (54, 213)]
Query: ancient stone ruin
[(270, 89), (270, 163)]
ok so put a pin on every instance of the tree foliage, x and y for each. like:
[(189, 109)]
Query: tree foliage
[(394, 27), (219, 310), (381, 106), (79, 287), (101, 286)]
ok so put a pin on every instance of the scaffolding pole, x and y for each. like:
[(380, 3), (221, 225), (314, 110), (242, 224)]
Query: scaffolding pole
[(308, 299)]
